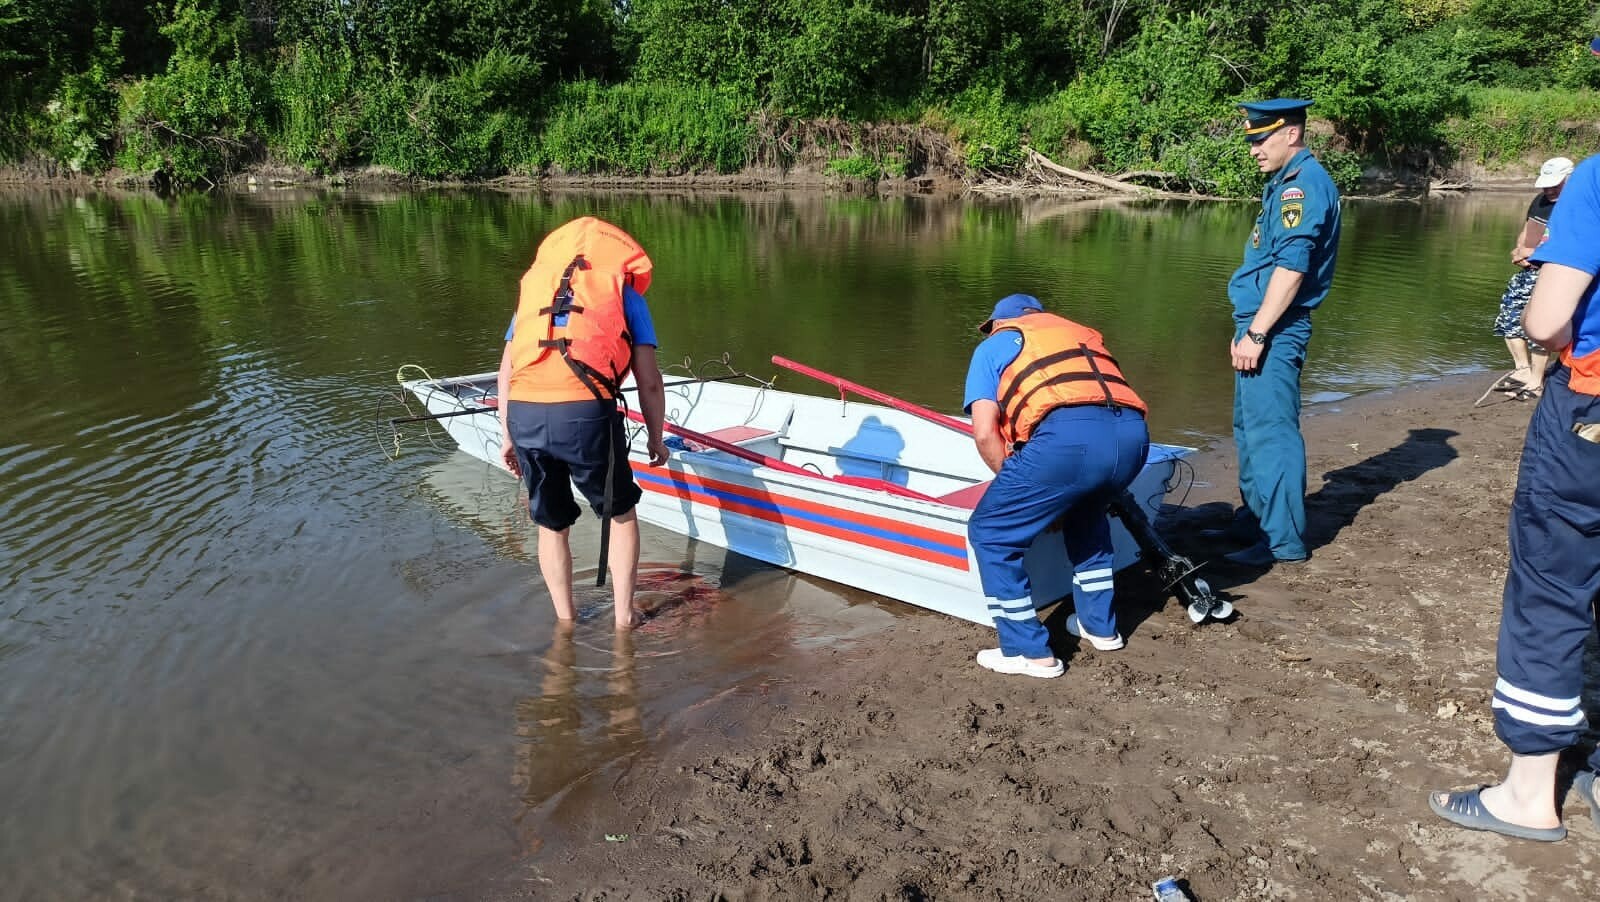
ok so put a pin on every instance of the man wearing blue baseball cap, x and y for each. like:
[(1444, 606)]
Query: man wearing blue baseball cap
[(1064, 433), (1287, 269)]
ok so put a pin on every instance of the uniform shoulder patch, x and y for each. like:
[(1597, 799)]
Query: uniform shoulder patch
[(1292, 194), (1291, 214)]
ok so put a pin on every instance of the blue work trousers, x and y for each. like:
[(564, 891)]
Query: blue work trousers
[(1553, 583), (1266, 430), (1077, 460)]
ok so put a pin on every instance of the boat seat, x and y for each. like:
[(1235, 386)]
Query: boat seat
[(738, 435), (968, 497), (733, 435)]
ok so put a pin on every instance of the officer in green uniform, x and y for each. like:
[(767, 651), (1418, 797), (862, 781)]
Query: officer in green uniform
[(1287, 270)]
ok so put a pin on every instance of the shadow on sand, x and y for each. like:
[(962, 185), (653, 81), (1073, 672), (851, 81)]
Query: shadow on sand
[(1334, 506)]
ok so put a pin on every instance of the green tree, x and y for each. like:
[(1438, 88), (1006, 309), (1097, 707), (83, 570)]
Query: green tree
[(1386, 86), (203, 116), (11, 38)]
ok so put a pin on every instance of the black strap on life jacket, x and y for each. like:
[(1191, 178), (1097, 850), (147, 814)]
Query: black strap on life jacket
[(1049, 360), (1089, 356), (562, 303), (604, 387), (1008, 404)]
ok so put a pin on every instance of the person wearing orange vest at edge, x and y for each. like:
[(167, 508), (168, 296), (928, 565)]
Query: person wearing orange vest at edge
[(1552, 588), (581, 326), (1064, 433)]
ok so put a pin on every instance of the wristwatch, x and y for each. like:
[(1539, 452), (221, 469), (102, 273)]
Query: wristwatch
[(1259, 338)]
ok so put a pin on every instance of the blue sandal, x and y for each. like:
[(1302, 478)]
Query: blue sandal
[(1465, 809), (1584, 785)]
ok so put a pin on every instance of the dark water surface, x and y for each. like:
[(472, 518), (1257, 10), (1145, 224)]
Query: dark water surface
[(244, 654)]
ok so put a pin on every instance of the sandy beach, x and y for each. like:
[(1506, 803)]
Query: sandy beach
[(1284, 755)]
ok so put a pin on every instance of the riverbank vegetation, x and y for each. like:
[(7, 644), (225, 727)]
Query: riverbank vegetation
[(189, 92)]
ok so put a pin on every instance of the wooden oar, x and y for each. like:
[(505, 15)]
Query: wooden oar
[(843, 385), (773, 463)]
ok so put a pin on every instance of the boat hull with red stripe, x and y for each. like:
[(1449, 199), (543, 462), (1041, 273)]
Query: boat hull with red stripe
[(880, 501)]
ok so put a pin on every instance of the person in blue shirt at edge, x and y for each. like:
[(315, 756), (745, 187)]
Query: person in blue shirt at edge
[(581, 326), (1065, 434), (1553, 581), (1287, 269)]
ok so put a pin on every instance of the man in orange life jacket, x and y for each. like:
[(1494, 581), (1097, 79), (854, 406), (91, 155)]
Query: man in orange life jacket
[(581, 326), (1054, 418)]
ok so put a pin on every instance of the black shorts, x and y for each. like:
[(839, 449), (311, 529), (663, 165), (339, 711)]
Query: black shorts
[(566, 443)]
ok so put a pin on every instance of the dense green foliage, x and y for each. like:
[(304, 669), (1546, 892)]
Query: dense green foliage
[(194, 89)]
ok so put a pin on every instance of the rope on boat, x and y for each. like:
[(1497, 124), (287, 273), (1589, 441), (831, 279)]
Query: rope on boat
[(400, 374), (392, 444), (705, 371), (716, 369)]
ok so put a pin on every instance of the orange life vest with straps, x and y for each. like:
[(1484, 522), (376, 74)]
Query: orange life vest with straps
[(1585, 371), (1062, 364), (579, 272)]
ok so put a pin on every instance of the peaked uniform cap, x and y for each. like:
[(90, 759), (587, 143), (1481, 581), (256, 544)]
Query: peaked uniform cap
[(1263, 117)]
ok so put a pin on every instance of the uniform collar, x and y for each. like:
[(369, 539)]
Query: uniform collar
[(1292, 167)]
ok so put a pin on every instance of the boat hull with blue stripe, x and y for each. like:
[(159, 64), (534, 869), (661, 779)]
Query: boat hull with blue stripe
[(882, 505)]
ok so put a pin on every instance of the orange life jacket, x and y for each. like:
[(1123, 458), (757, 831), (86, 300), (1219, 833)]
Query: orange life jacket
[(579, 270), (1585, 375), (1062, 364)]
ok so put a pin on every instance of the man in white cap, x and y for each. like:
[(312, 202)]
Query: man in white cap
[(1526, 381)]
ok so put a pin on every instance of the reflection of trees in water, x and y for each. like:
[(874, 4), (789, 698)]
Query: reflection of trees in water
[(204, 293), (582, 719)]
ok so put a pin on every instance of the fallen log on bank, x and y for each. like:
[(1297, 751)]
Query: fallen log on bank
[(1044, 175), (1041, 161)]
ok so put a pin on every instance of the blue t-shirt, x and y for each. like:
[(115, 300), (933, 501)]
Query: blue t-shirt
[(1574, 241), (991, 358), (634, 310), (1297, 229)]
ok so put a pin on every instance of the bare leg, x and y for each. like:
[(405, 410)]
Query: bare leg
[(626, 724), (625, 567), (1527, 797), (1519, 357), (1538, 362), (555, 564)]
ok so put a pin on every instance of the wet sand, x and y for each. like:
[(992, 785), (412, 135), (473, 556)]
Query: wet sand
[(1284, 755)]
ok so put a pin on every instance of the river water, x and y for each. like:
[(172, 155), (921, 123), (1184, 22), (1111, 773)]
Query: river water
[(244, 653)]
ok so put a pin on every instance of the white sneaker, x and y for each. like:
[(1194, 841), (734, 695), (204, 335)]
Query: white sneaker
[(998, 661), (1101, 643)]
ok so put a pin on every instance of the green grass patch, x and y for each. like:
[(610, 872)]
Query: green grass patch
[(855, 166), (1504, 126), (644, 129)]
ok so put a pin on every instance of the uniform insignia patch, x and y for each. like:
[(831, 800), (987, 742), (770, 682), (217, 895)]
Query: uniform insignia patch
[(1292, 194), (1291, 215), (1255, 237)]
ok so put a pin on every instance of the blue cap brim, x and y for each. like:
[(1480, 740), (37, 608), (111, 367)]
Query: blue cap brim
[(1594, 46)]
